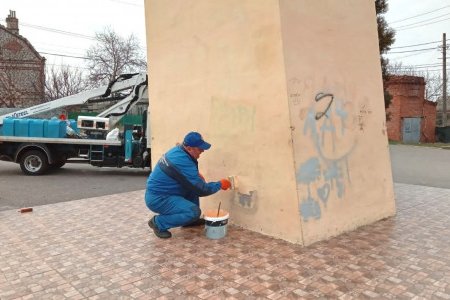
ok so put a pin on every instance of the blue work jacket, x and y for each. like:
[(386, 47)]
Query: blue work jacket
[(176, 173)]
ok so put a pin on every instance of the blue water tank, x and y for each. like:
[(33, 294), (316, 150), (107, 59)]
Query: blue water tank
[(22, 127), (56, 128), (8, 127), (45, 128), (73, 125), (36, 128)]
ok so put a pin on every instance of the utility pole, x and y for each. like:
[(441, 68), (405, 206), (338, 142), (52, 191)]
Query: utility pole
[(444, 83)]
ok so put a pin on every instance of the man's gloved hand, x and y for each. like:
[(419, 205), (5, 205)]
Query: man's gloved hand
[(225, 184)]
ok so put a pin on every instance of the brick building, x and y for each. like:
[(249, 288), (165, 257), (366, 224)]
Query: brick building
[(21, 68), (412, 117)]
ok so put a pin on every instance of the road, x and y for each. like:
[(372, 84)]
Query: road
[(71, 182), (410, 164), (421, 165)]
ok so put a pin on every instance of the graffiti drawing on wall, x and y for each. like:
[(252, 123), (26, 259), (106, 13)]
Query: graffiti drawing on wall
[(326, 173), (294, 91), (364, 111), (231, 117), (247, 200)]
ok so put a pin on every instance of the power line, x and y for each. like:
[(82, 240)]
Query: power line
[(38, 42), (415, 45), (422, 66), (433, 68), (419, 15), (63, 55), (429, 65), (423, 21), (405, 56), (423, 24), (59, 50), (56, 30), (417, 50), (70, 66)]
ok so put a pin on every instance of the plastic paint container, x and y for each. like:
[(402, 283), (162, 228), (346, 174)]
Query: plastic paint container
[(216, 224)]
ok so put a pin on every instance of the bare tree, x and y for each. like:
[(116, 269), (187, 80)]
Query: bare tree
[(114, 55), (63, 82), (433, 80)]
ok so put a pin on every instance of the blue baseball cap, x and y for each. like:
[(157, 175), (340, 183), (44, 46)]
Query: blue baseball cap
[(194, 139)]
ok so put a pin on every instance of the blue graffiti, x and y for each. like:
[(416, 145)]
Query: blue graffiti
[(334, 175), (326, 174), (341, 113), (310, 209), (324, 192), (245, 200), (309, 171), (327, 126)]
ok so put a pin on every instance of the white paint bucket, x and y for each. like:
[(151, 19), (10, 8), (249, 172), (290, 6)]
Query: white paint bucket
[(216, 224)]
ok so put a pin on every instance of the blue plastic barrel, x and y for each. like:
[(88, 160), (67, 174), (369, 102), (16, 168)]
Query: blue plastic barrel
[(73, 125), (36, 127), (45, 128), (22, 127), (62, 129), (8, 127), (56, 128)]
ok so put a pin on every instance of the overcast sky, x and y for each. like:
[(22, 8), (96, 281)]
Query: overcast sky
[(77, 22), (80, 20), (419, 22)]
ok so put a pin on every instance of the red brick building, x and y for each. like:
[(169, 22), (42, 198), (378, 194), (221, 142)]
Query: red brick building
[(412, 117), (22, 75)]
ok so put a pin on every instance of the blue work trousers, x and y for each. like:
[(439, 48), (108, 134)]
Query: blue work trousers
[(174, 211)]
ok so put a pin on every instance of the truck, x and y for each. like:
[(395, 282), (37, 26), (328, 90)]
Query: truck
[(40, 145)]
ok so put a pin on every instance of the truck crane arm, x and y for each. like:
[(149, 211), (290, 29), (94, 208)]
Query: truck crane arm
[(118, 110), (137, 82)]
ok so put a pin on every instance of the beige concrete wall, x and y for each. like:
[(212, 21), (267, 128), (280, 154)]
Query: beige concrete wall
[(337, 111), (245, 74)]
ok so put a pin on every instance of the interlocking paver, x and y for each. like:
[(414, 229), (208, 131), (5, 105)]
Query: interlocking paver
[(101, 248)]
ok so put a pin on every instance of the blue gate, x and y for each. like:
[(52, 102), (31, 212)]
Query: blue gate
[(411, 130)]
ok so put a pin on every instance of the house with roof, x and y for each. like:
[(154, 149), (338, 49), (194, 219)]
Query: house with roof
[(411, 117), (22, 68)]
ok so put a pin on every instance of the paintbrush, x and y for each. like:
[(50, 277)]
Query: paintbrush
[(218, 211)]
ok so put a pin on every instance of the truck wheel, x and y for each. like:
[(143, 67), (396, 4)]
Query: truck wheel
[(34, 162)]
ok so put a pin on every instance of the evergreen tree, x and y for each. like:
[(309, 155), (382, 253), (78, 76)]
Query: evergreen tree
[(386, 37)]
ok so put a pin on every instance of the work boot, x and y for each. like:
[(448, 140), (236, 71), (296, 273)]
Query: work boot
[(198, 222), (159, 233)]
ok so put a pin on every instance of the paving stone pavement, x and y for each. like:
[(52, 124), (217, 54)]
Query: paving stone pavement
[(101, 248)]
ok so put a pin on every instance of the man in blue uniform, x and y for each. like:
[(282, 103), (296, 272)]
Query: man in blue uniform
[(175, 185)]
